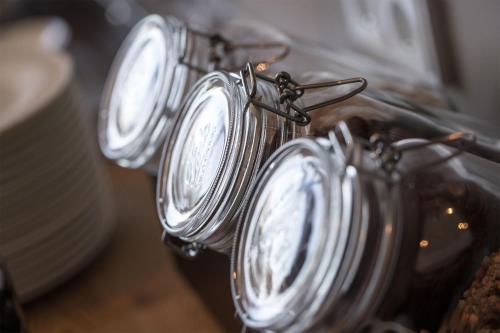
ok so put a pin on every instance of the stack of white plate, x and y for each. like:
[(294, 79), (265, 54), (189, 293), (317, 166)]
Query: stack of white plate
[(55, 207), (45, 32)]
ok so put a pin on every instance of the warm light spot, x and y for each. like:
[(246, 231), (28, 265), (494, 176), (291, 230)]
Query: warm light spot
[(234, 275), (455, 136), (261, 67), (463, 226), (424, 243), (449, 210)]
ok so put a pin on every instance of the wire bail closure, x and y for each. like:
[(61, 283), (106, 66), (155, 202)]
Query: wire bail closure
[(389, 154), (220, 46), (290, 91), (459, 141)]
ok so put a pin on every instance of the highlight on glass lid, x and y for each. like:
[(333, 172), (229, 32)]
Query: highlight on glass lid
[(158, 62)]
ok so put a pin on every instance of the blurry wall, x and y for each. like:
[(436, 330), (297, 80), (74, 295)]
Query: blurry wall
[(475, 33), (469, 41)]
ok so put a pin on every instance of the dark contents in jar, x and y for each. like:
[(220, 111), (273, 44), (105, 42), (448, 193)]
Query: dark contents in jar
[(458, 219), (459, 223), (479, 308)]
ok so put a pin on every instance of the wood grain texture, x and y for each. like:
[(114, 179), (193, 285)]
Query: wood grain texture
[(136, 285)]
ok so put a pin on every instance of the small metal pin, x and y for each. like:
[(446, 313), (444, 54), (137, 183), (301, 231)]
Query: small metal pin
[(186, 250)]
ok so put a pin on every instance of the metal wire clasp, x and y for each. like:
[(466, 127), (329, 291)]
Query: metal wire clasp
[(388, 154), (220, 46), (184, 249), (290, 91)]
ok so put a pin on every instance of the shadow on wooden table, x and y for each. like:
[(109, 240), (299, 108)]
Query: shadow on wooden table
[(208, 276)]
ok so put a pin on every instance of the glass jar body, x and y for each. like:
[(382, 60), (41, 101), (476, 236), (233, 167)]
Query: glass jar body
[(456, 214), (430, 218), (446, 223)]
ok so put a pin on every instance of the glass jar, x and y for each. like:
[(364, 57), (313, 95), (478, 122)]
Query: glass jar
[(380, 227), (157, 64), (228, 126)]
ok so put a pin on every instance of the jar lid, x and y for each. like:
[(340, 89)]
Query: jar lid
[(291, 250), (199, 155), (136, 106)]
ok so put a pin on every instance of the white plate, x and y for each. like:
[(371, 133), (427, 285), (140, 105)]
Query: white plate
[(49, 241), (45, 32), (41, 120), (75, 256), (51, 212), (54, 197), (47, 171), (29, 80), (22, 143), (85, 221), (55, 116), (20, 235), (65, 253)]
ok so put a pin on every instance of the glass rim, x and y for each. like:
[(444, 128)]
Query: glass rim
[(197, 219)]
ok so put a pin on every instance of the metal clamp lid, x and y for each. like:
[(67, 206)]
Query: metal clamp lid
[(220, 46), (290, 91), (388, 154)]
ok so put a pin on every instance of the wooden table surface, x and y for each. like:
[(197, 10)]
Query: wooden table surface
[(137, 285)]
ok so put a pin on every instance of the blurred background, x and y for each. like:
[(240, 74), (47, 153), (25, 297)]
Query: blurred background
[(131, 282)]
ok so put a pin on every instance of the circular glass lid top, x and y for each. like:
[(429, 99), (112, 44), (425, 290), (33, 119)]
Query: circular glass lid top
[(136, 89), (195, 155), (288, 230)]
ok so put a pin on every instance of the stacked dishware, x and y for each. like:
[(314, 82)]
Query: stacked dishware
[(45, 32), (55, 206)]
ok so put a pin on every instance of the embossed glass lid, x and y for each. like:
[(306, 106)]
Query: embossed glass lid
[(137, 91), (292, 238), (198, 155)]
